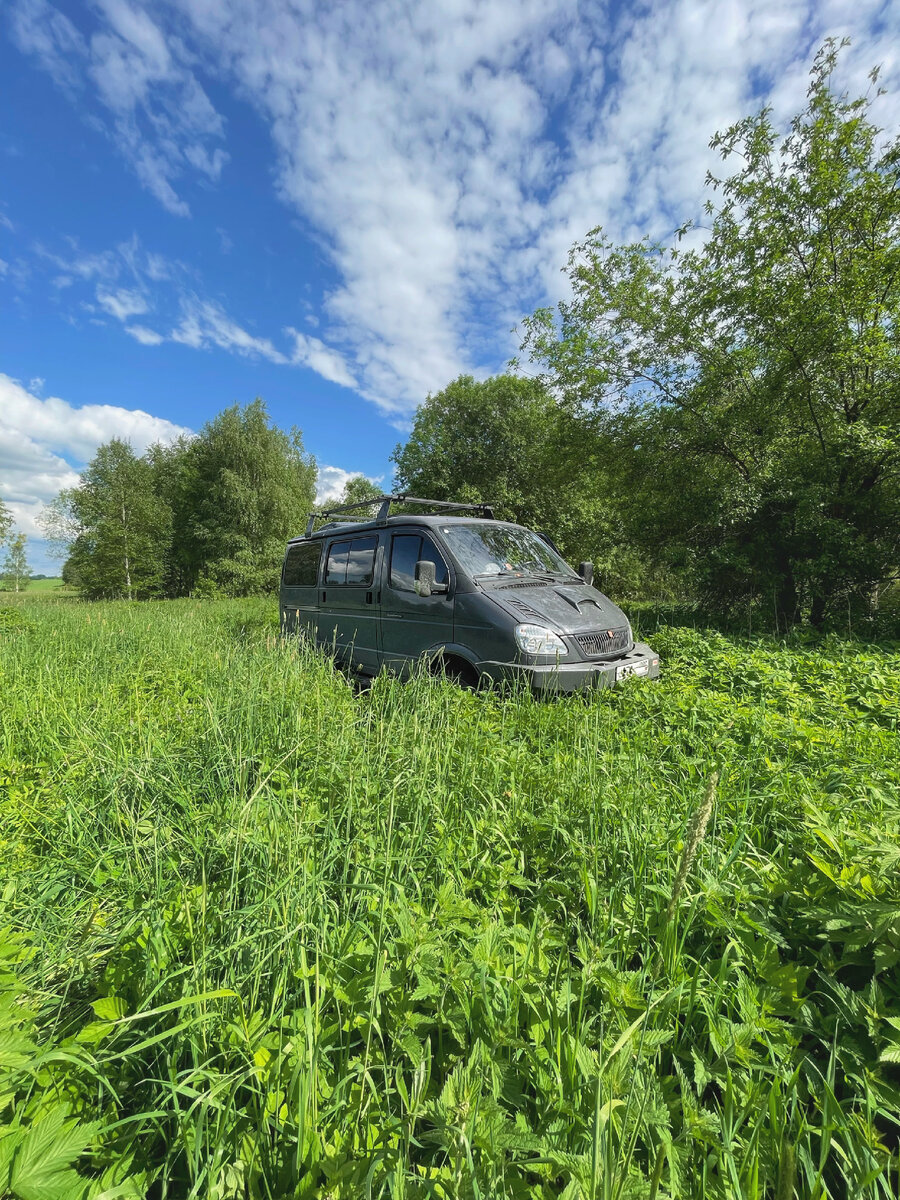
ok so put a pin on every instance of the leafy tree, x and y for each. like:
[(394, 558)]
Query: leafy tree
[(243, 487), (174, 469), (15, 572), (6, 522), (479, 441), (750, 388), (121, 527), (59, 524), (359, 488), (356, 489), (507, 440)]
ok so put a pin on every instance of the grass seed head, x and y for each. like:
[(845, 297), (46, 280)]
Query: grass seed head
[(694, 836)]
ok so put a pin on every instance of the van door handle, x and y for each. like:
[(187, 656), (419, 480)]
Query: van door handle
[(368, 597), (323, 595)]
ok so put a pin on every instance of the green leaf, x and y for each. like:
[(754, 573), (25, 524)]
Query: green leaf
[(41, 1165), (109, 1008)]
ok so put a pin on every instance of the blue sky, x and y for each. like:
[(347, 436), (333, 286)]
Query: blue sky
[(341, 207)]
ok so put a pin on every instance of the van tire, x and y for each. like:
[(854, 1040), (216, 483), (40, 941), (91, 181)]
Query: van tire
[(457, 669)]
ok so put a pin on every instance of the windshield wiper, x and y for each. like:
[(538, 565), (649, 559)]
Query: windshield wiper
[(550, 576)]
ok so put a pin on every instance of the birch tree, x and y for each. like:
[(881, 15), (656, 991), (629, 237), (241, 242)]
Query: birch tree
[(123, 527), (14, 572)]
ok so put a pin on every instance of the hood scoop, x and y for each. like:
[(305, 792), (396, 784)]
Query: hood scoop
[(576, 603)]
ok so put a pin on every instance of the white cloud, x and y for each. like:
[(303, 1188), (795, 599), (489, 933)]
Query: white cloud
[(43, 443), (122, 303), (4, 266), (147, 337), (331, 482), (446, 155), (41, 30), (450, 154), (313, 353), (205, 323), (6, 223), (156, 111), (130, 281)]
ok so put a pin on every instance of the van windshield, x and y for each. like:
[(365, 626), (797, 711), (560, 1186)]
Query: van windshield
[(483, 548)]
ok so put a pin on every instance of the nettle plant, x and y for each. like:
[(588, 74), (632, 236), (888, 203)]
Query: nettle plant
[(48, 1151)]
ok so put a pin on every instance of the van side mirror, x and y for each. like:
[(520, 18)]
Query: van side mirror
[(586, 571), (425, 584)]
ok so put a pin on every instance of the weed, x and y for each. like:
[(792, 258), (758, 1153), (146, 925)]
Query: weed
[(290, 940)]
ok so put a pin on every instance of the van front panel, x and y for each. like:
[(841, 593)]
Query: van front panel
[(412, 624)]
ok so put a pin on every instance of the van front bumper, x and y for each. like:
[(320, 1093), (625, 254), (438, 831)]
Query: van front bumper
[(641, 662)]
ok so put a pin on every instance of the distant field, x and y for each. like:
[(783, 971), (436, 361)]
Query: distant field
[(35, 587), (283, 939)]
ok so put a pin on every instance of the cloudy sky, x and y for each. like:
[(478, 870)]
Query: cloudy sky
[(342, 206)]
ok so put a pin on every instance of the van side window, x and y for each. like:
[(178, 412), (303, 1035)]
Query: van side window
[(351, 563), (406, 551), (361, 563), (336, 569), (301, 565)]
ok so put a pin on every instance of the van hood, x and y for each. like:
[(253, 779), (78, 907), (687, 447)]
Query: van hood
[(562, 607)]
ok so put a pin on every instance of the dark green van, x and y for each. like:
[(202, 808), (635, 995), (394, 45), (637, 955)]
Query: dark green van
[(489, 599)]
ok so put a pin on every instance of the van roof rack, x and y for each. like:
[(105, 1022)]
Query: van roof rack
[(385, 502)]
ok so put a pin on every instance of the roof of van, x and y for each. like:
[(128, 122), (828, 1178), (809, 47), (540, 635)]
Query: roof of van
[(427, 519)]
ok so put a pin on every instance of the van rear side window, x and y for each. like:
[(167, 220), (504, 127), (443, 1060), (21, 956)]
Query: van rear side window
[(301, 565), (351, 563)]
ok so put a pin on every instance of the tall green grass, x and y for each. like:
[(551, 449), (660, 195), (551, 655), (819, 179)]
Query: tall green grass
[(269, 936)]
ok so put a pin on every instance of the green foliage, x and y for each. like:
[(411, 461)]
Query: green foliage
[(123, 527), (14, 571), (207, 515), (506, 440), (243, 489), (6, 522), (359, 488), (421, 942), (44, 1143), (747, 389), (482, 441)]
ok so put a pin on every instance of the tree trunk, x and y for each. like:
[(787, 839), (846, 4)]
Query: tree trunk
[(127, 565), (786, 600), (817, 612)]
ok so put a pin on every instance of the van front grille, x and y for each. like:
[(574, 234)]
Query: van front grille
[(600, 642)]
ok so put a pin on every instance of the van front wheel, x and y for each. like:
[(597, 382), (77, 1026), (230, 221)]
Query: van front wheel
[(457, 669)]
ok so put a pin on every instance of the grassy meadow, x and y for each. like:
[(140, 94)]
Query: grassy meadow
[(263, 935)]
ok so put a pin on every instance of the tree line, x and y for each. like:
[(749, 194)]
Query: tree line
[(717, 417), (205, 515)]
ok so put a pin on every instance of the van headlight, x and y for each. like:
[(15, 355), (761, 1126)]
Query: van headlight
[(535, 639)]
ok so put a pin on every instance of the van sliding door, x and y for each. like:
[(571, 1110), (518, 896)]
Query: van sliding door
[(347, 617)]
